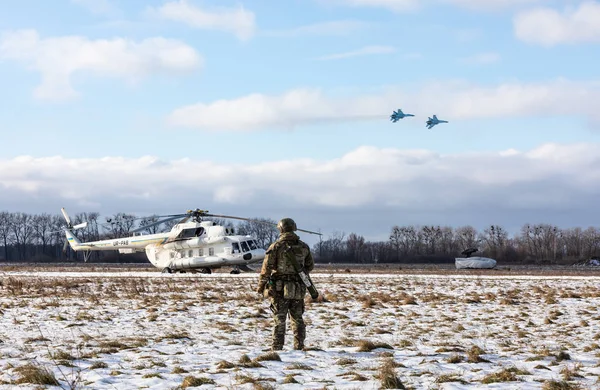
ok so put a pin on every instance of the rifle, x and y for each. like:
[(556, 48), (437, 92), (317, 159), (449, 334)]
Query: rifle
[(291, 257)]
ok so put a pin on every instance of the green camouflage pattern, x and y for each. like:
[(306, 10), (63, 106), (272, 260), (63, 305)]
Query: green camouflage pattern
[(286, 225), (286, 290), (280, 308)]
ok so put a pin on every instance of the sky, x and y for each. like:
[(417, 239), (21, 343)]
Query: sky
[(281, 109)]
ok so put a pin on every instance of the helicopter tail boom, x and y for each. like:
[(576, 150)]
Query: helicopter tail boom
[(72, 240)]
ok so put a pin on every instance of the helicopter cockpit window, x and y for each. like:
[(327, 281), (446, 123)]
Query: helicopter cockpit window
[(199, 231), (244, 246), (252, 244), (235, 248)]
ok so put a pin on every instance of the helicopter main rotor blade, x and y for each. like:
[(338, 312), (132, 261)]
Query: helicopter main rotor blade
[(258, 221), (157, 223), (64, 213), (80, 226)]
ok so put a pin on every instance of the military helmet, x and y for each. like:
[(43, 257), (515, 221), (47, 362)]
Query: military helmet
[(286, 225)]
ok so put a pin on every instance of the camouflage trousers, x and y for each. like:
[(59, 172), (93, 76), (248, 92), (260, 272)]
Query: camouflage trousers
[(280, 308)]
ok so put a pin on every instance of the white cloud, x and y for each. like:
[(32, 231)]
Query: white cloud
[(58, 58), (548, 27), (482, 58), (334, 27), (237, 21), (453, 100), (490, 4), (364, 51), (99, 7), (392, 5), (410, 5), (396, 182)]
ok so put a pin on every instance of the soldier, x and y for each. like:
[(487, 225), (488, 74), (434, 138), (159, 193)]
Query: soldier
[(285, 288)]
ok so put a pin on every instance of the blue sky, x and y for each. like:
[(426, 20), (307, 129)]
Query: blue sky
[(254, 84)]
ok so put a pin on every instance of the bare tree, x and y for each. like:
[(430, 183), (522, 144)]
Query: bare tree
[(119, 225), (494, 240), (404, 240), (591, 242), (355, 245), (22, 229), (264, 230), (42, 226), (150, 224), (334, 248), (431, 236), (466, 237), (6, 231)]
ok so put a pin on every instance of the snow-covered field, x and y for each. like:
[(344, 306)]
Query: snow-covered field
[(130, 330)]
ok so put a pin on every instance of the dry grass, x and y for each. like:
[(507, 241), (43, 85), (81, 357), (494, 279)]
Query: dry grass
[(192, 381), (35, 374), (269, 356), (388, 377), (368, 345), (560, 385), (372, 314)]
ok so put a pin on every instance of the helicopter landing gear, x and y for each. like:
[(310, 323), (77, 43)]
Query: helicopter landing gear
[(167, 270), (205, 270), (235, 271)]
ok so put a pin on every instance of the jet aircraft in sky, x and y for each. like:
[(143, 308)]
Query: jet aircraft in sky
[(397, 115), (433, 121)]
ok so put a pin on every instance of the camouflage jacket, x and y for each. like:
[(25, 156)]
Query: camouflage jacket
[(275, 263)]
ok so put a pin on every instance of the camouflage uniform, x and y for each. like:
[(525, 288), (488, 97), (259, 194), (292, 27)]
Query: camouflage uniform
[(285, 288)]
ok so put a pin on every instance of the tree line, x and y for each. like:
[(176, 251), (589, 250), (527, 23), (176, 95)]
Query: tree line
[(534, 243), (40, 237)]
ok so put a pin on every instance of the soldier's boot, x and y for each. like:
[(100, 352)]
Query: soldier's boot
[(299, 336)]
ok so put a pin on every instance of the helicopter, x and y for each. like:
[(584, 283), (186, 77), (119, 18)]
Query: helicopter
[(193, 244)]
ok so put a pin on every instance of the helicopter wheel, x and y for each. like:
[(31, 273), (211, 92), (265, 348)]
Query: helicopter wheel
[(167, 270), (235, 271), (206, 270)]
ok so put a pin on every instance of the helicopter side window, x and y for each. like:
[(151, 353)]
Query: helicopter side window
[(252, 244), (235, 247), (187, 233), (201, 252), (245, 246), (190, 254), (211, 251)]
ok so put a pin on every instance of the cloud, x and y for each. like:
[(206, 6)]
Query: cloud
[(334, 27), (394, 186), (99, 7), (548, 27), (364, 51), (392, 5), (482, 59), (456, 99), (237, 21), (58, 58), (411, 5), (490, 5)]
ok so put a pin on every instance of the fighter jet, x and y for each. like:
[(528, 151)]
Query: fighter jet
[(397, 115), (434, 121)]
